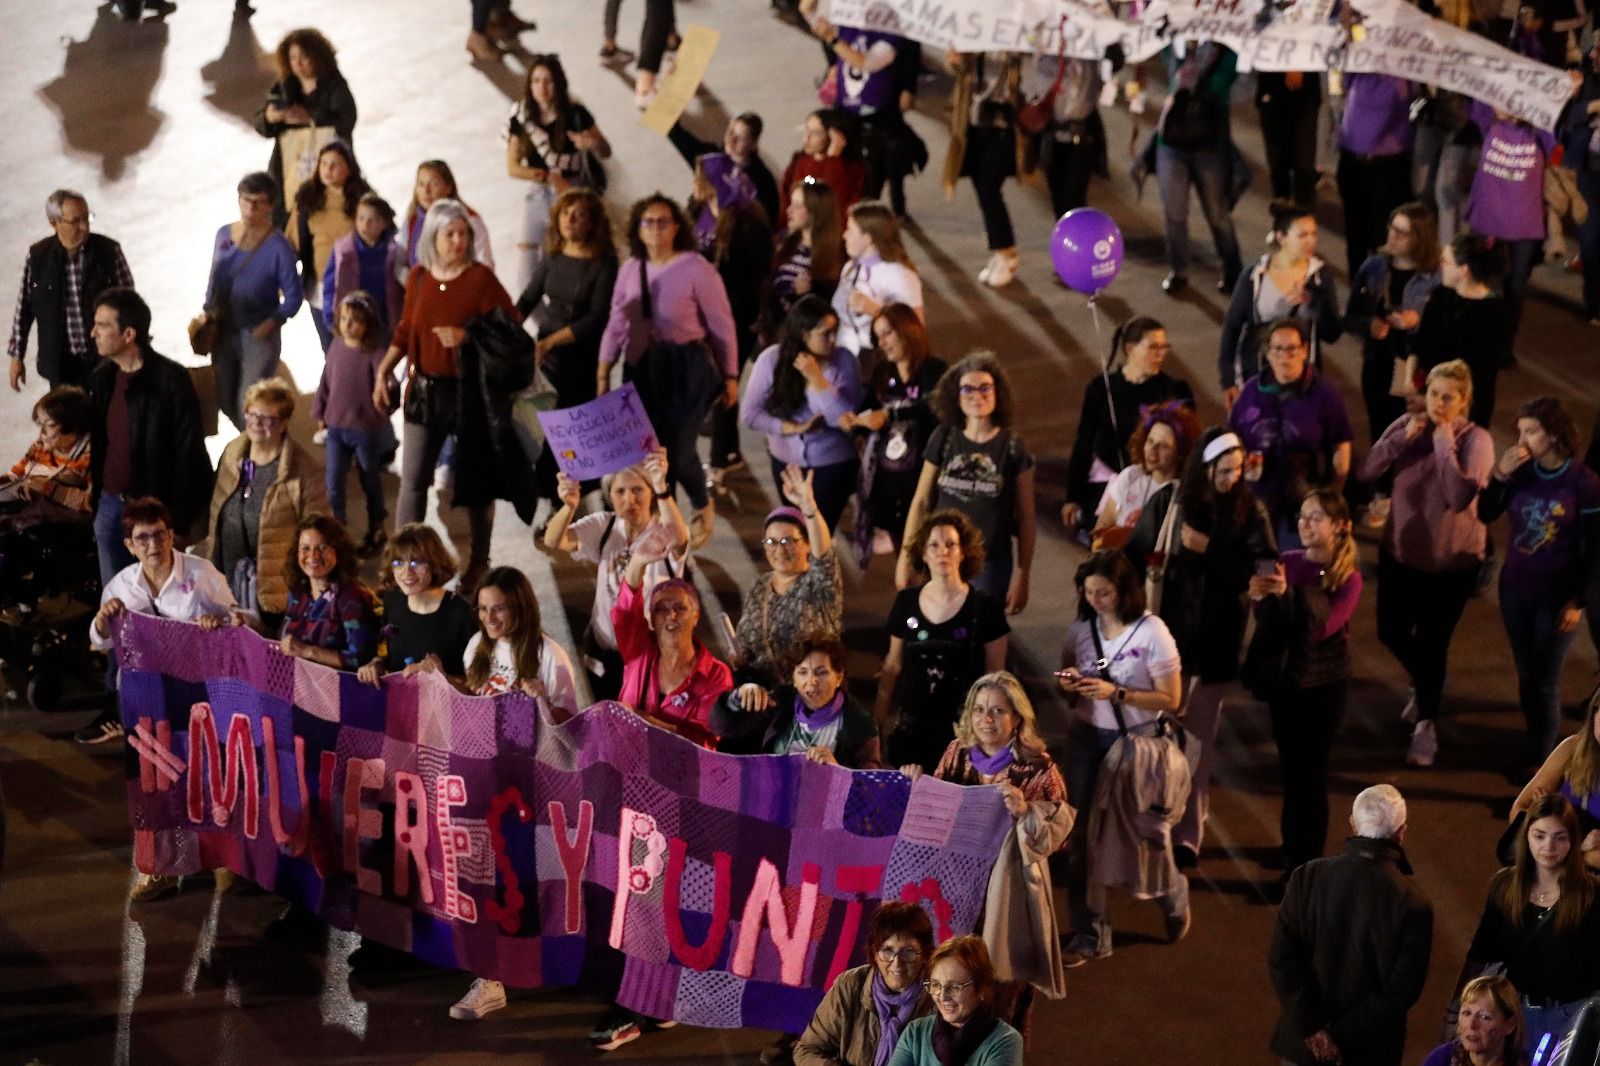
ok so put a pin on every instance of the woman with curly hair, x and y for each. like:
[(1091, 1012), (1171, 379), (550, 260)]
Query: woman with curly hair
[(1554, 504), (309, 91), (332, 616), (943, 635), (978, 465), (324, 211), (1160, 446)]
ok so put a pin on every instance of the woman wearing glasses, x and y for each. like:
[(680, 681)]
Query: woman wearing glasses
[(965, 1031), (977, 464), (860, 1020), (1385, 308), (266, 483), (997, 743), (799, 391), (425, 627), (801, 596)]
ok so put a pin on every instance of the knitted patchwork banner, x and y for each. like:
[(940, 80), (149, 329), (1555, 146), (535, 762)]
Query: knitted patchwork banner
[(717, 890)]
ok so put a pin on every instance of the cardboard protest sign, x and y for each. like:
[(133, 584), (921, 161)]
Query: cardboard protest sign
[(678, 87), (599, 437), (475, 833)]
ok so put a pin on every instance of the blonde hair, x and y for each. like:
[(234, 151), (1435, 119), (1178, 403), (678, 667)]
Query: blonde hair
[(1502, 996), (878, 221), (275, 393), (1456, 371), (1027, 742), (1583, 771)]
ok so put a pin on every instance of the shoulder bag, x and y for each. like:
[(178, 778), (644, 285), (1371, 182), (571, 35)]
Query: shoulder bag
[(1034, 117), (205, 329), (677, 382), (1167, 542), (1165, 725)]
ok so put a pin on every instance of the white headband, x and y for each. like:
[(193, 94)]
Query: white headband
[(1225, 443)]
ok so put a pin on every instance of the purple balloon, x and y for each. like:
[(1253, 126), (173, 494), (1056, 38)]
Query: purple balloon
[(1086, 249)]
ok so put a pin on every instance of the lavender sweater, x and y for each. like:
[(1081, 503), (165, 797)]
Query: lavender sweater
[(263, 285), (689, 303), (824, 445), (1433, 520), (344, 396)]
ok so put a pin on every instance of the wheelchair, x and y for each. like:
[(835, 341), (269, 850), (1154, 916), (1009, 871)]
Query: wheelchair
[(49, 590)]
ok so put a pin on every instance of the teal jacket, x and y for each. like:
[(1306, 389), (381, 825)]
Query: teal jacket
[(1003, 1047)]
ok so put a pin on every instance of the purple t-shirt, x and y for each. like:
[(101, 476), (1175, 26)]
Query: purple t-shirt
[(1507, 198), (1295, 430), (1545, 509), (1440, 1056), (1377, 114), (860, 91)]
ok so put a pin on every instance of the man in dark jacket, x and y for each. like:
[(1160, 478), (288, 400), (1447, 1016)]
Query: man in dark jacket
[(1350, 951), (61, 279), (145, 440)]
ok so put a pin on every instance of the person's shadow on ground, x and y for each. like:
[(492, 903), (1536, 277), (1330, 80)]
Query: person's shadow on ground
[(103, 93)]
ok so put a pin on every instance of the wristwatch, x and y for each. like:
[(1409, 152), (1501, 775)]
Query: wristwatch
[(1122, 695)]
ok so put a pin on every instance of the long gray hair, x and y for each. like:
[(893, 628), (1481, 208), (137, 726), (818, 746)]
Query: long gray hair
[(441, 214)]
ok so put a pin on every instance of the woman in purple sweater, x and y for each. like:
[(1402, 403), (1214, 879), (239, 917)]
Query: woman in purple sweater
[(1433, 543), (1304, 606), (684, 304), (799, 390)]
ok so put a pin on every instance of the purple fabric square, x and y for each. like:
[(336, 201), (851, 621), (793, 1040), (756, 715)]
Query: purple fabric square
[(877, 803), (721, 779), (650, 988), (355, 744), (514, 715), (561, 959), (472, 726), (771, 786), (769, 1005)]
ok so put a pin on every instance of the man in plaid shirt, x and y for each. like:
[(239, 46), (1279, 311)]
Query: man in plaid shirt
[(61, 279)]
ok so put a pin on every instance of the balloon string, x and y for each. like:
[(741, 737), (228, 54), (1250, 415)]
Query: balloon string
[(1104, 359)]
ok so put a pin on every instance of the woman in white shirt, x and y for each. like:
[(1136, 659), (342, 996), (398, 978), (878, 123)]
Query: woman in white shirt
[(638, 496), (1122, 666), (511, 653), (879, 273), (1161, 442)]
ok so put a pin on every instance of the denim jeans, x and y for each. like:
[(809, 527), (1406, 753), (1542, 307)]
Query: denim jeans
[(1207, 171), (241, 360), (366, 448), (108, 538), (535, 225), (1090, 929), (319, 319), (1554, 1020), (1530, 615)]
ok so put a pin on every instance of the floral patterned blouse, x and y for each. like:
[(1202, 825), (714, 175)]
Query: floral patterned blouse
[(342, 619), (773, 624)]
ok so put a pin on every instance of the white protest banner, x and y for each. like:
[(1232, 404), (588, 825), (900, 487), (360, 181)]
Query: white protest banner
[(1395, 39)]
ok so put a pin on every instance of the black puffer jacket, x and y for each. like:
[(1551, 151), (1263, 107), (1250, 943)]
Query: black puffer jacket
[(1350, 954), (496, 363)]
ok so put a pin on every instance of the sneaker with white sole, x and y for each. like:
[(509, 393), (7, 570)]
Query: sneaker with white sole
[(1424, 745), (1003, 273), (484, 997), (612, 1033), (988, 268), (100, 731)]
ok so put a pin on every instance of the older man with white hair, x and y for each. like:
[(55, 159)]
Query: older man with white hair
[(61, 279), (1350, 951)]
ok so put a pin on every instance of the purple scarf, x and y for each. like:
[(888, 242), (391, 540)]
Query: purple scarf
[(989, 765), (952, 1046), (823, 716), (895, 1010)]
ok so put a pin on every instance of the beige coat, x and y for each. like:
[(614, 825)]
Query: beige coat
[(297, 492), (1019, 911), (1141, 794), (845, 1030)]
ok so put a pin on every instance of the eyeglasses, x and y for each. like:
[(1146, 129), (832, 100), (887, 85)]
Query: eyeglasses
[(977, 390), (906, 956), (946, 989), (657, 222), (256, 418), (412, 565), (780, 542), (145, 540)]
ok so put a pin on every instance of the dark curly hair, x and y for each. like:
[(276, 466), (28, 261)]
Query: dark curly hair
[(1548, 412), (947, 394), (316, 47), (788, 394), (682, 241), (333, 532), (967, 531)]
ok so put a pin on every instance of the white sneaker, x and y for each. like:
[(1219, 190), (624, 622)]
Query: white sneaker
[(988, 268), (484, 997), (1004, 271), (1408, 713), (1424, 745)]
